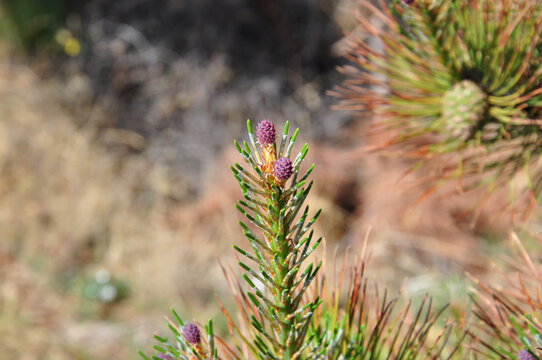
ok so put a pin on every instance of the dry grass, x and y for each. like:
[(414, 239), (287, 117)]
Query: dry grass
[(69, 208)]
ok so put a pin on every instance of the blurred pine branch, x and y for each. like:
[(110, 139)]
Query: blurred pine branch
[(453, 78), (508, 313)]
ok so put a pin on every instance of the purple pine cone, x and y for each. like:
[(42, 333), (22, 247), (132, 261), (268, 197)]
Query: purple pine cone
[(283, 169), (192, 334), (265, 132), (525, 355)]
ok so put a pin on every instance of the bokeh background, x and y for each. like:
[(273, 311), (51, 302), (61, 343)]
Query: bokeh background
[(116, 126)]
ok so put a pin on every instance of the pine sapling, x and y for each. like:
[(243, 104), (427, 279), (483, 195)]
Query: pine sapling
[(277, 276), (286, 309)]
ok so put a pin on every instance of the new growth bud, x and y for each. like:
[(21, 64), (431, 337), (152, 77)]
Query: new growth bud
[(525, 355), (266, 133), (192, 334), (283, 169)]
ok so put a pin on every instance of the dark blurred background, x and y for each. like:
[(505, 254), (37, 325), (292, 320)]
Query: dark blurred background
[(183, 74)]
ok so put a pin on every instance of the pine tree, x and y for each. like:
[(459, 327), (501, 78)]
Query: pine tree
[(286, 307), (454, 78)]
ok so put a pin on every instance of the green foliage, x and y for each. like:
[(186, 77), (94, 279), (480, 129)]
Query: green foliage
[(286, 308), (416, 86), (179, 347), (372, 328), (509, 315), (32, 24), (279, 317)]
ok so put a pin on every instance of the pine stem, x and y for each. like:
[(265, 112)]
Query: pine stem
[(284, 297)]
